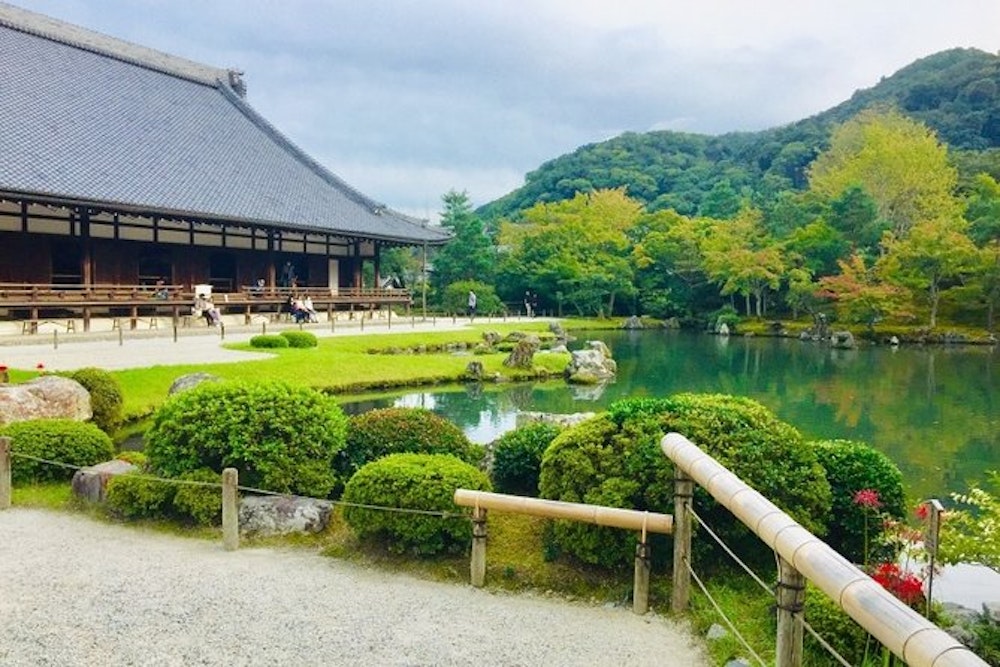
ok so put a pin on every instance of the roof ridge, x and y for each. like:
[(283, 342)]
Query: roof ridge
[(76, 36)]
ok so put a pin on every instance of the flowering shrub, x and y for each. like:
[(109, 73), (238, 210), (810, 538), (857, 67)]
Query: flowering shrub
[(973, 534)]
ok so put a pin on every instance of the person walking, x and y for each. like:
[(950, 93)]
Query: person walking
[(472, 304)]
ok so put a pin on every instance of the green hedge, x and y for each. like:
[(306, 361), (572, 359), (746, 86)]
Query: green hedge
[(300, 338), (139, 496), (851, 467), (280, 438), (377, 433), (413, 481), (60, 440), (517, 458), (269, 341), (615, 459), (106, 400)]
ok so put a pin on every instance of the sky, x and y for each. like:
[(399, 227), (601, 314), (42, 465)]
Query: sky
[(408, 99)]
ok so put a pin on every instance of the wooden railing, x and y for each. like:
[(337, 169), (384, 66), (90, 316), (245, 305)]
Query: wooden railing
[(801, 555), (34, 302)]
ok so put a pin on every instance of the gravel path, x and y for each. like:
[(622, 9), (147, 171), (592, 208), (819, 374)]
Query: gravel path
[(74, 591)]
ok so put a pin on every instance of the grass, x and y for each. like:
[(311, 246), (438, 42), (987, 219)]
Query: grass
[(346, 364)]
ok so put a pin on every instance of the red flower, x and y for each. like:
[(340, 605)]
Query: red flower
[(3, 369), (867, 498), (40, 366), (904, 585), (922, 512)]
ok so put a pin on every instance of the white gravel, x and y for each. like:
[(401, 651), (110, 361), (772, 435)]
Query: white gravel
[(74, 591)]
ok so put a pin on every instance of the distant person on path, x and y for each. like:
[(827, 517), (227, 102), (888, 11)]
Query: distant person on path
[(527, 303), (534, 304), (472, 304)]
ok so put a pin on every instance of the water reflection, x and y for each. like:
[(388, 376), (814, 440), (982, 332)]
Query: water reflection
[(932, 410)]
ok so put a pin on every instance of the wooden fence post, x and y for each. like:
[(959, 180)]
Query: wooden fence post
[(5, 484), (640, 584), (478, 563), (680, 596), (230, 510), (790, 597)]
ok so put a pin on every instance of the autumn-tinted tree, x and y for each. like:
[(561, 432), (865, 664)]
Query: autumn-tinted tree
[(858, 295), (742, 259)]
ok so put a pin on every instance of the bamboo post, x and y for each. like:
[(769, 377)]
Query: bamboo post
[(680, 596), (230, 510), (5, 484), (790, 597), (640, 584), (477, 565)]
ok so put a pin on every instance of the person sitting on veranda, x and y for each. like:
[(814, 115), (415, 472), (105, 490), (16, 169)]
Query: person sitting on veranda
[(299, 312), (307, 305), (204, 307)]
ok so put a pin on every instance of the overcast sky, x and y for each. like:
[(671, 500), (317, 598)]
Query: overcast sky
[(407, 99)]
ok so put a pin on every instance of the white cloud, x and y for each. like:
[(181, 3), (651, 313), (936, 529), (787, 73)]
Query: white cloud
[(407, 99)]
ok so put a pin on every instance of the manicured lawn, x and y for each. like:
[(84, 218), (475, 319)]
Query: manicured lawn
[(344, 364)]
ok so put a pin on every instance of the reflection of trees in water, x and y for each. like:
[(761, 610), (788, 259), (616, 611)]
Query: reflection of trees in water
[(932, 410)]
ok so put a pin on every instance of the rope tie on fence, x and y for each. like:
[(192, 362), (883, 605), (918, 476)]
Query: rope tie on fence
[(725, 619), (444, 514), (746, 568)]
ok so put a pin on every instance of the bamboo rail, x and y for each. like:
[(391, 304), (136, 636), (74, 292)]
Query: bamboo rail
[(612, 517), (905, 632)]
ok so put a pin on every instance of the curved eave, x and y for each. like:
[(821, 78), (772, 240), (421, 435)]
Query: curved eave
[(432, 237)]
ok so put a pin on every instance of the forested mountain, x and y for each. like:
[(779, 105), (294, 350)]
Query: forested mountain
[(956, 93)]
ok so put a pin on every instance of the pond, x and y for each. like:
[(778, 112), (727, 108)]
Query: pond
[(932, 410)]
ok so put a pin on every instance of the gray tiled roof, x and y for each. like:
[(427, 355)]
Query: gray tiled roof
[(87, 118)]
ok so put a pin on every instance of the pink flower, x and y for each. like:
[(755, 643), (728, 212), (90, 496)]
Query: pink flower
[(867, 498)]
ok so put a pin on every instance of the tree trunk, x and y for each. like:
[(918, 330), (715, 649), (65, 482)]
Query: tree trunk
[(935, 298), (746, 298)]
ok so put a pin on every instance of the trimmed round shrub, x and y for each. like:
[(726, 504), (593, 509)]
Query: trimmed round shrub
[(200, 504), (377, 433), (280, 438), (60, 440), (300, 338), (106, 399), (136, 496), (268, 341), (851, 467), (413, 481), (615, 459), (517, 458)]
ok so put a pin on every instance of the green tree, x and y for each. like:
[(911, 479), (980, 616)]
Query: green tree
[(669, 265), (741, 258), (933, 255), (817, 246), (578, 248), (470, 255), (898, 162)]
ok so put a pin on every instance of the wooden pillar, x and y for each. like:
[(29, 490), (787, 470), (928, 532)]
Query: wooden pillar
[(87, 259), (230, 510), (640, 584), (5, 483), (378, 267), (790, 594), (477, 565), (683, 490)]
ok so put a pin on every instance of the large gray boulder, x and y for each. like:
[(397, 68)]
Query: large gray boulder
[(281, 515), (591, 365), (46, 397), (91, 483)]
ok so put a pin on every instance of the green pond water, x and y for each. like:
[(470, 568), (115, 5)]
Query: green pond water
[(932, 410)]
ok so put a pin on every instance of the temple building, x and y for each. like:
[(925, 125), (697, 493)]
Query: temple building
[(122, 165)]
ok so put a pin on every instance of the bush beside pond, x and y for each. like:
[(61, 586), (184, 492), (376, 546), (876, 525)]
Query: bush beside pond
[(106, 400), (281, 438), (419, 482), (615, 459), (517, 458)]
